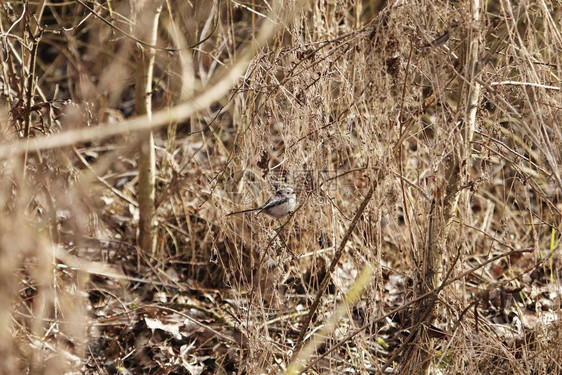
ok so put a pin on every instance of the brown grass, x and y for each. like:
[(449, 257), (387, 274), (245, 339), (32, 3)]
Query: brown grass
[(451, 121)]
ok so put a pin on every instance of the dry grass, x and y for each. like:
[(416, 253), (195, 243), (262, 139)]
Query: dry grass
[(365, 108)]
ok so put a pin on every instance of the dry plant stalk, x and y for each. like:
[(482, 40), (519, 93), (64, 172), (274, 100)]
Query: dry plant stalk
[(148, 16), (336, 259), (457, 110), (436, 257)]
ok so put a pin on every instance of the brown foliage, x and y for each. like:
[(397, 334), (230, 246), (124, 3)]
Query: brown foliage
[(343, 95)]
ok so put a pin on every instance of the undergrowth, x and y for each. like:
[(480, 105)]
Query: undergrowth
[(422, 138)]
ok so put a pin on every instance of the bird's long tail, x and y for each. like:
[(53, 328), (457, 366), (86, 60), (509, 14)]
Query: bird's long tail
[(244, 211)]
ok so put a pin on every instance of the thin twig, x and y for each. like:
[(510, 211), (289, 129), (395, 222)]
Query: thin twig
[(335, 261)]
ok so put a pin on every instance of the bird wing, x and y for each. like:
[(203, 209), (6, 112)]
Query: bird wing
[(272, 202)]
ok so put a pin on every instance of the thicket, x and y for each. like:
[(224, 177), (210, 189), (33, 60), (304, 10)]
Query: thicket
[(422, 138)]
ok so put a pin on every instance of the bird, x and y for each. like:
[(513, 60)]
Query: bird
[(281, 204)]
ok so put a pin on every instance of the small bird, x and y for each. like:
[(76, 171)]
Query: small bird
[(282, 203)]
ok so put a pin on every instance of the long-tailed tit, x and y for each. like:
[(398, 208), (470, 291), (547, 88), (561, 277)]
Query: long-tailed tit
[(281, 204)]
